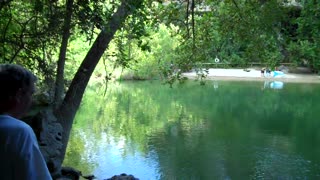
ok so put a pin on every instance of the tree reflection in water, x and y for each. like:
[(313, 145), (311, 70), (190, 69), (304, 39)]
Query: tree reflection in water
[(235, 131)]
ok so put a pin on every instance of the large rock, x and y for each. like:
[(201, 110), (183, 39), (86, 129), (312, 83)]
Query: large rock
[(283, 68), (123, 177), (49, 136)]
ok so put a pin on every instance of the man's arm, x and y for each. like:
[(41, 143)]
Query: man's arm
[(33, 165)]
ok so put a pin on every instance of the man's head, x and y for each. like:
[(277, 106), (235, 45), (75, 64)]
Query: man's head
[(16, 88)]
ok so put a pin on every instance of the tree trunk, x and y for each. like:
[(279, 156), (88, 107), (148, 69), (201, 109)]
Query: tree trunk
[(67, 110), (59, 85)]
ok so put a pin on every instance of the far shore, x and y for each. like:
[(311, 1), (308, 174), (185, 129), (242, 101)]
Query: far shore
[(254, 75)]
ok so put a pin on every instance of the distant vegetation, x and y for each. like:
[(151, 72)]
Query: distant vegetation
[(163, 37)]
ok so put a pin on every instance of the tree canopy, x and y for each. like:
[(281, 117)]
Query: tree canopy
[(237, 32)]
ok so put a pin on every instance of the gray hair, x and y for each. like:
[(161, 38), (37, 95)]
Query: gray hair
[(13, 78)]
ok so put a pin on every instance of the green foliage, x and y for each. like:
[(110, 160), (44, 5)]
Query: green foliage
[(28, 36), (252, 27), (158, 38), (149, 56), (307, 47), (236, 32), (77, 49), (92, 15)]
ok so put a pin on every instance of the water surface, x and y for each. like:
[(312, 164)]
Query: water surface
[(223, 130)]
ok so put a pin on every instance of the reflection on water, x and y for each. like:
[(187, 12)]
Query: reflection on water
[(273, 84), (276, 165), (223, 130), (110, 156)]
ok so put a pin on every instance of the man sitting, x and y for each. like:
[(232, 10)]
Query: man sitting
[(20, 155)]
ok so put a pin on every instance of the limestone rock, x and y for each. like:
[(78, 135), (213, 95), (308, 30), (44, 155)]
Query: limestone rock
[(49, 135), (123, 177)]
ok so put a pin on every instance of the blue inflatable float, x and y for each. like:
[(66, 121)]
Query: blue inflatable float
[(277, 74)]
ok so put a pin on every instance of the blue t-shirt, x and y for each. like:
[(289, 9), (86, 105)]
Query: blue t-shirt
[(20, 156)]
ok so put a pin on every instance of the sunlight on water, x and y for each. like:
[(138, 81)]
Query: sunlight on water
[(111, 158)]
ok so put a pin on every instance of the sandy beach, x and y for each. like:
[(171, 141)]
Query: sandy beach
[(254, 75)]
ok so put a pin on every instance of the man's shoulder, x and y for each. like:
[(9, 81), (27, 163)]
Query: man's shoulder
[(16, 135), (12, 124)]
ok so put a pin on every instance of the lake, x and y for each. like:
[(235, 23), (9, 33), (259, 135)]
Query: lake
[(222, 130)]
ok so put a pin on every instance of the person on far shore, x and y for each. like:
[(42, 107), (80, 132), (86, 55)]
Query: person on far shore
[(262, 72), (20, 155), (268, 72)]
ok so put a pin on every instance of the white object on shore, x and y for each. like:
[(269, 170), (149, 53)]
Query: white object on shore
[(217, 60)]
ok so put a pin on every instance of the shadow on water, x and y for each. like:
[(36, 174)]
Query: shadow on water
[(223, 130)]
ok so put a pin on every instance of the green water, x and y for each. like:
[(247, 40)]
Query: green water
[(223, 130)]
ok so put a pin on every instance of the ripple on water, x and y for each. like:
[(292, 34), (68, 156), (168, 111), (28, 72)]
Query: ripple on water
[(272, 164)]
